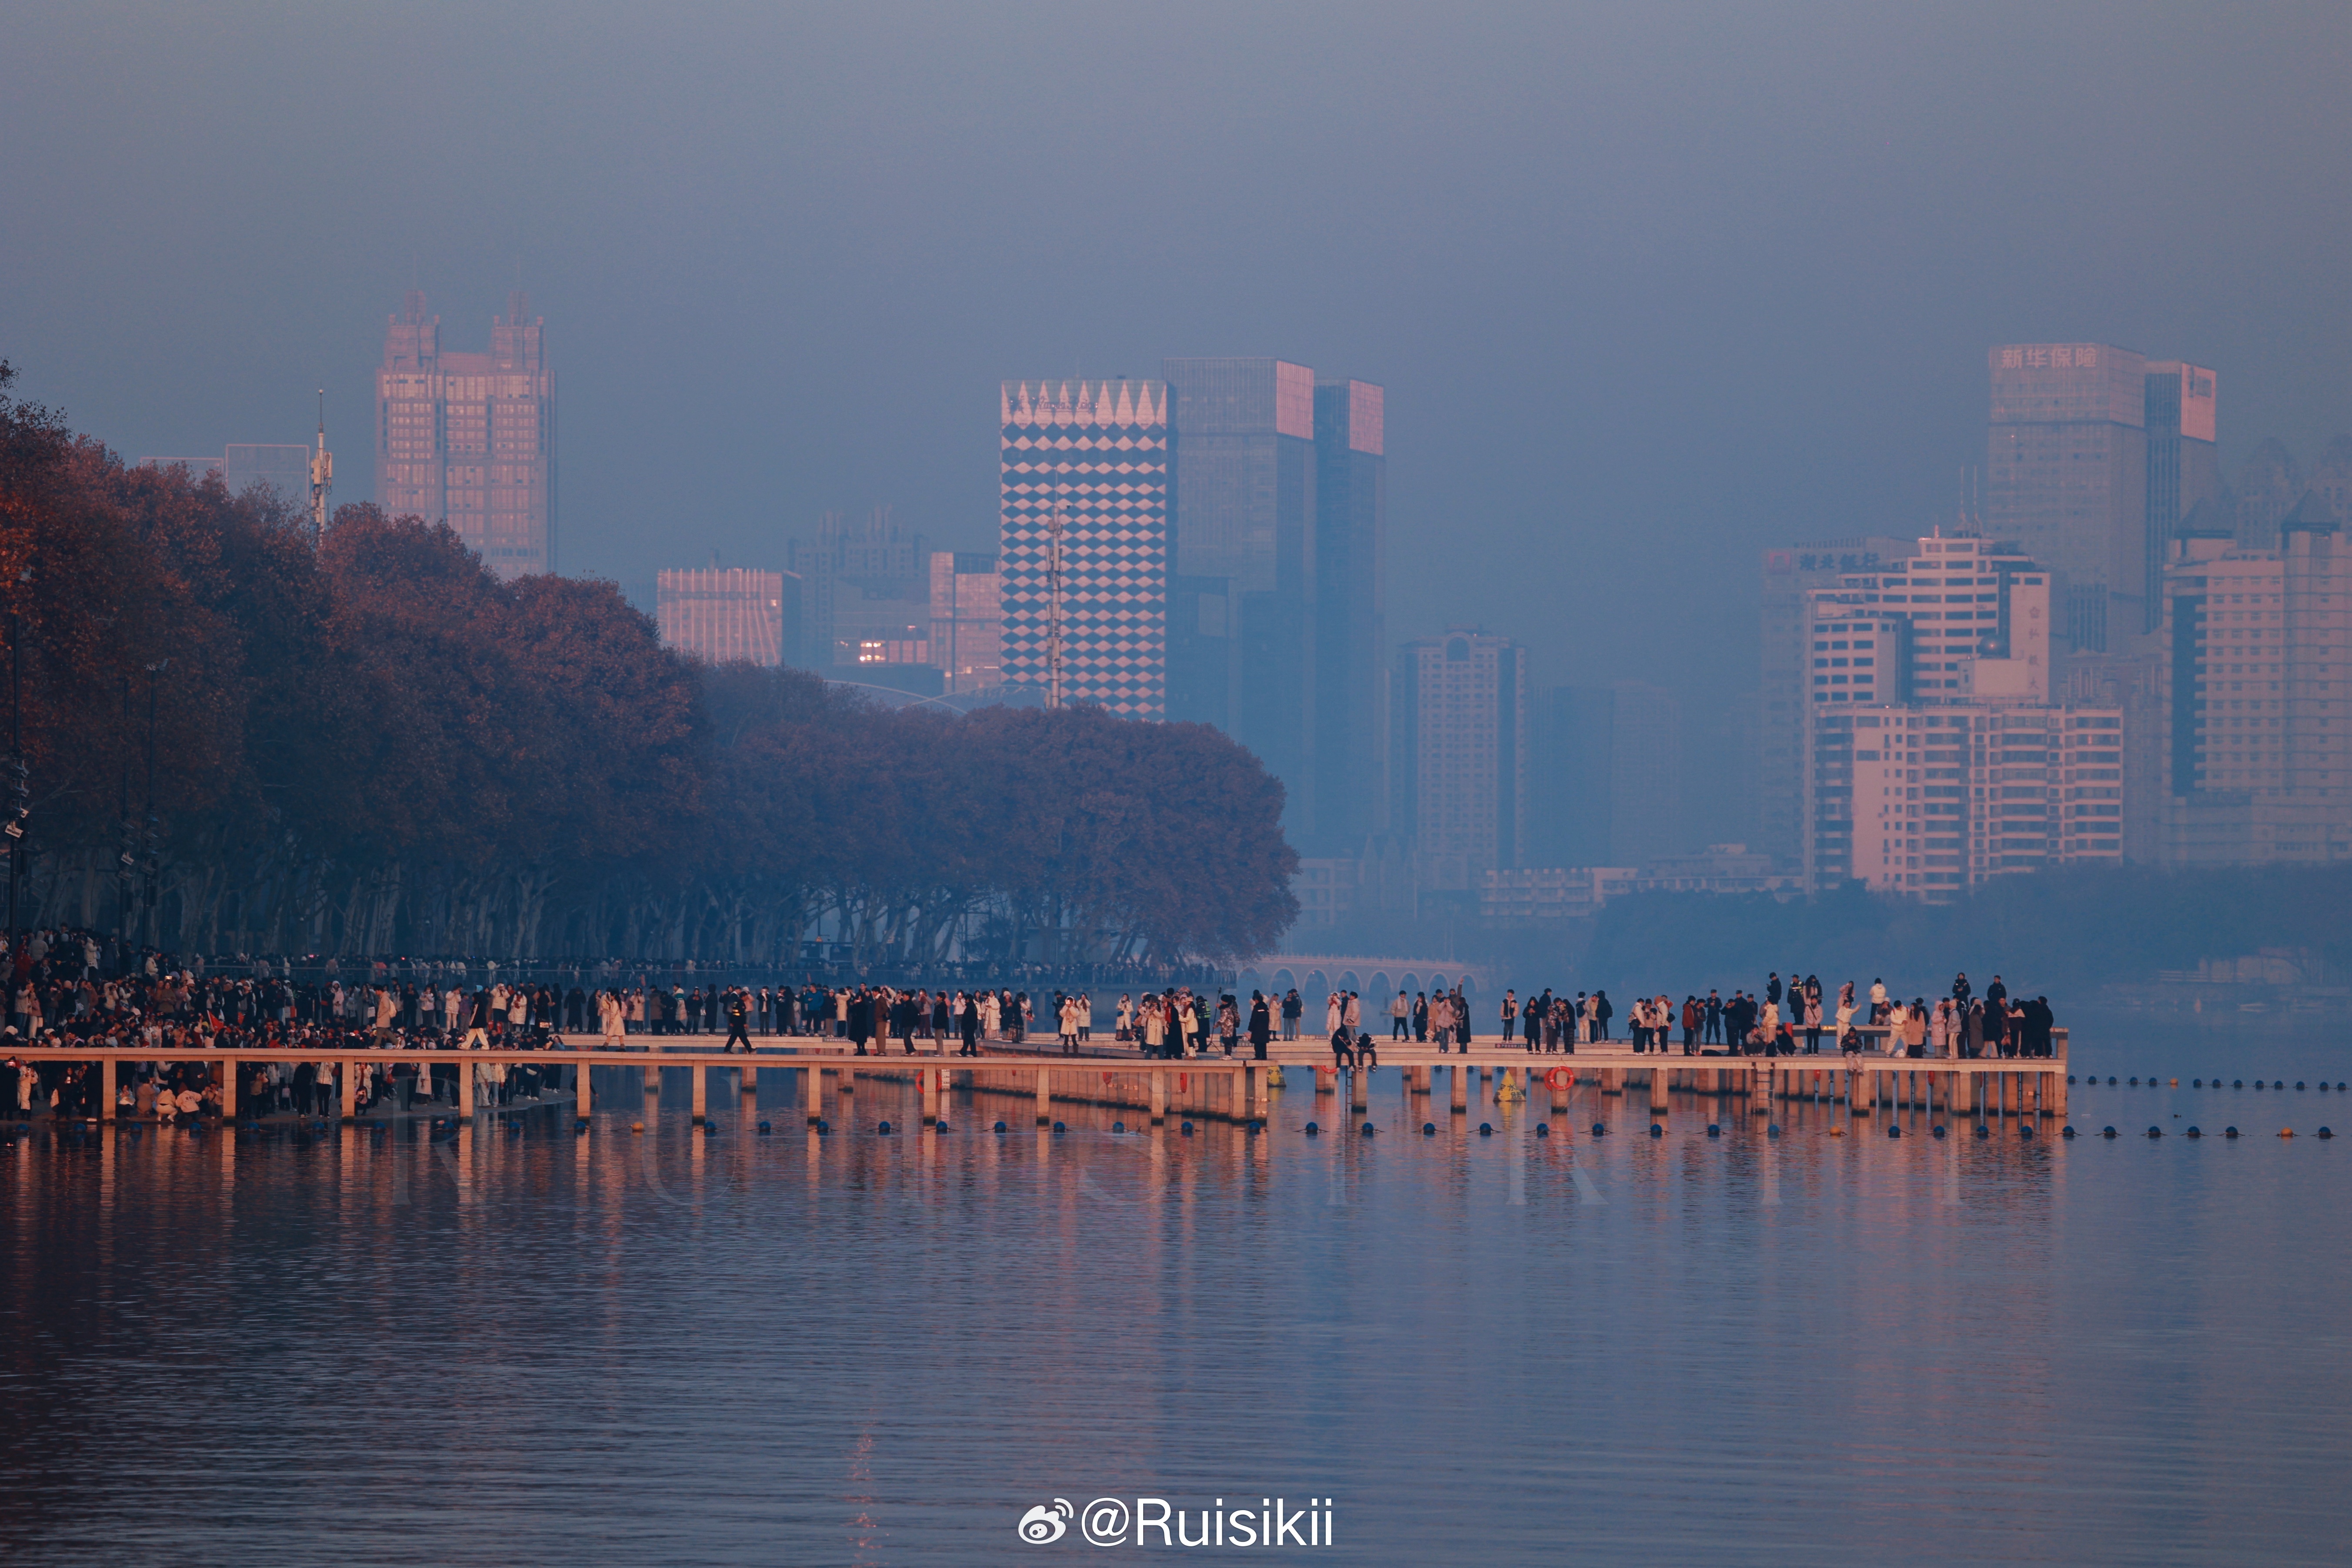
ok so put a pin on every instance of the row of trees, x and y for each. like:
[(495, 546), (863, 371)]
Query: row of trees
[(372, 745)]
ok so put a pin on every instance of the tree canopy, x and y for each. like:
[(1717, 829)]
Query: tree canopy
[(372, 745)]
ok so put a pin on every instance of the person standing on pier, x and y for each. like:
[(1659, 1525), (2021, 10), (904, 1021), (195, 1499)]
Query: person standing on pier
[(1261, 1025), (970, 1024), (738, 1018)]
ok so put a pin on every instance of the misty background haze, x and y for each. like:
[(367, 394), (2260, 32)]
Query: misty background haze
[(1649, 290)]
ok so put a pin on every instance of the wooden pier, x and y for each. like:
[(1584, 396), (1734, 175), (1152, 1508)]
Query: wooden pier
[(1216, 1086)]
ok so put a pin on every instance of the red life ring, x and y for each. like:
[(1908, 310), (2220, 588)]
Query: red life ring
[(1560, 1078)]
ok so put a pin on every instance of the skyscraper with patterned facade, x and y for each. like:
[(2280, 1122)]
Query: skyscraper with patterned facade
[(2066, 479), (1084, 465), (1458, 761), (726, 615), (470, 438)]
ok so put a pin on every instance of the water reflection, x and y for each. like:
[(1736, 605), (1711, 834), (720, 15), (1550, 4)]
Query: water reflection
[(480, 1343)]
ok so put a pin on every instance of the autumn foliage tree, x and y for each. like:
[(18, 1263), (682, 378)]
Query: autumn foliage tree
[(371, 744)]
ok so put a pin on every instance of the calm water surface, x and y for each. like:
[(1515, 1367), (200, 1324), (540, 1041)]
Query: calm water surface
[(677, 1348)]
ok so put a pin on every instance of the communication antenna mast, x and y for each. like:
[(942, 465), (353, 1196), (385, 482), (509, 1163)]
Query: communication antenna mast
[(1054, 622), (322, 475)]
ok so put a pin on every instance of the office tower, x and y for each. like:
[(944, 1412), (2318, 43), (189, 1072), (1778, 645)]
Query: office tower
[(2269, 485), (1782, 682), (1458, 763), (2258, 696), (967, 621), (1943, 800), (1241, 634), (1606, 777), (1351, 632), (470, 438), (1083, 471), (2067, 478), (722, 615), (2183, 466), (868, 592)]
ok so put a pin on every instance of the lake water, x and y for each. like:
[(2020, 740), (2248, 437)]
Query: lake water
[(678, 1348)]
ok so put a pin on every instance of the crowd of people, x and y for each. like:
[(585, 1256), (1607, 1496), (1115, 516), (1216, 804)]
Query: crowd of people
[(62, 990)]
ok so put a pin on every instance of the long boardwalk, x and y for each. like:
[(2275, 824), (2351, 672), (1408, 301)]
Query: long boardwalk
[(1233, 1088)]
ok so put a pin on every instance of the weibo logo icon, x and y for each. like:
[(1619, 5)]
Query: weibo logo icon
[(1044, 1523)]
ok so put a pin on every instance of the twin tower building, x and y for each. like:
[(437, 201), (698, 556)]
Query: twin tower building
[(1209, 546)]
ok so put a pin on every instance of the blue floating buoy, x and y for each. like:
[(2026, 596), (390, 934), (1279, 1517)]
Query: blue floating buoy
[(1185, 1128), (1429, 1130), (1485, 1130), (2339, 1089), (2155, 1131), (940, 1127), (1984, 1131), (2197, 1083), (1601, 1130), (1059, 1127), (1310, 1130), (1656, 1130), (823, 1127), (1773, 1130), (2193, 1132), (2325, 1132), (1369, 1130), (2134, 1083), (2298, 1083), (1119, 1126), (2070, 1077), (1543, 1131), (765, 1128), (2106, 1131), (1255, 1127), (1936, 1131), (2026, 1130), (1000, 1127), (2323, 1086), (2258, 1083), (2111, 1082), (2067, 1131), (1894, 1133), (2234, 1083), (2229, 1132), (1713, 1131), (883, 1128)]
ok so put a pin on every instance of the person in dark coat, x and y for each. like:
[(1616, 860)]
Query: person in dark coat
[(1261, 1025)]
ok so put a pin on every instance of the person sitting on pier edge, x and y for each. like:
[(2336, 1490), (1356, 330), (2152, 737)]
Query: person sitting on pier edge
[(1366, 1056), (1343, 1047)]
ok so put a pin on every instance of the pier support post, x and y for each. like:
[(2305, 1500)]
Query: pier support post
[(700, 1076), (750, 1084), (105, 1089), (1461, 1077), (1760, 1087), (1611, 1080), (2058, 1093), (1657, 1091), (226, 1069), (349, 1072), (812, 1093), (1360, 1088), (1160, 1097), (931, 1077), (1045, 1097), (581, 1095), (1559, 1097)]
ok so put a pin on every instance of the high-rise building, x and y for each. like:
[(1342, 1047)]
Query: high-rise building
[(2067, 478), (2183, 464), (1243, 568), (2258, 696), (867, 587), (1606, 777), (967, 621), (1939, 801), (724, 615), (1350, 631), (470, 438), (1083, 475), (1458, 763), (1783, 677)]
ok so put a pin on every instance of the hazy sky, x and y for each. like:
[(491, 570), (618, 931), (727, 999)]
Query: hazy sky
[(1650, 286)]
